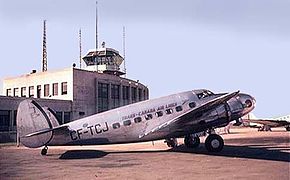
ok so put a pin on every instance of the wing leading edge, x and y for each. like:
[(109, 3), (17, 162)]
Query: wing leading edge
[(192, 113)]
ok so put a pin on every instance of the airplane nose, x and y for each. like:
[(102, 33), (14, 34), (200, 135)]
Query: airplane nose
[(247, 101)]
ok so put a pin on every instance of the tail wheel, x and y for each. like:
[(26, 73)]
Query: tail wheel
[(288, 128), (44, 151), (191, 141), (214, 143)]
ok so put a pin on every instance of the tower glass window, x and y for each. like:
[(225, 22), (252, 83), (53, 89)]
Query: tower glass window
[(8, 92), (16, 92)]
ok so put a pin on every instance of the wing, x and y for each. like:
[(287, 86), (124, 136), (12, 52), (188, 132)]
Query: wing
[(268, 122), (192, 113)]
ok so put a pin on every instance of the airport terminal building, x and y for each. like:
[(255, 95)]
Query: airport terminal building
[(72, 93)]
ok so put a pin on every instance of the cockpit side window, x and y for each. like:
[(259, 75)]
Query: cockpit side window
[(204, 94)]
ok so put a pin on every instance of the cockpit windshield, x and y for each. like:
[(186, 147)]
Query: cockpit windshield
[(204, 94)]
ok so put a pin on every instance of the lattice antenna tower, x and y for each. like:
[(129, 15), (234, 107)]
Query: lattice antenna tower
[(96, 25), (44, 52), (80, 46), (124, 49)]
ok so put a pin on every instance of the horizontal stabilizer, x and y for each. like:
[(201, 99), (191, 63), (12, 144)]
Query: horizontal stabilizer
[(43, 131)]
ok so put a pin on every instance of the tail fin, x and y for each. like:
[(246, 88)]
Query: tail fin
[(31, 118)]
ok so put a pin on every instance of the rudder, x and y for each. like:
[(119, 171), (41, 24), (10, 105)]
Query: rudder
[(31, 117)]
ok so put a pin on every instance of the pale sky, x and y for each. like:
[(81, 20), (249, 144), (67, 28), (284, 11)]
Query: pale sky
[(171, 46)]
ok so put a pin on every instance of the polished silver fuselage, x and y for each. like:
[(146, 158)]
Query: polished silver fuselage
[(123, 125)]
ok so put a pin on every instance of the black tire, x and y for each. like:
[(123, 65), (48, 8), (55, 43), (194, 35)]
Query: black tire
[(44, 151), (191, 141), (214, 143), (171, 142), (288, 128)]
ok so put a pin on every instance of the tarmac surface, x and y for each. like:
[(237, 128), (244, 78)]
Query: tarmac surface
[(247, 154)]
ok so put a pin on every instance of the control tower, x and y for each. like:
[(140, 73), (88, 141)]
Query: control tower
[(104, 60)]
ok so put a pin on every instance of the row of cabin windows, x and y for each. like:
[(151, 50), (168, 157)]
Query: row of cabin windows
[(46, 93), (150, 116)]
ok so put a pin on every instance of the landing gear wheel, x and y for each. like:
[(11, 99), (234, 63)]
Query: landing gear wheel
[(172, 142), (191, 141), (288, 128), (44, 151), (214, 143)]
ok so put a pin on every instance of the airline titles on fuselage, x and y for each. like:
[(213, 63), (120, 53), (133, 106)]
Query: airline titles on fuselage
[(104, 127)]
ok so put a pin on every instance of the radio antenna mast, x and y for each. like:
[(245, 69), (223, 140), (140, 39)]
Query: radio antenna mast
[(44, 53), (80, 43), (96, 25), (124, 50)]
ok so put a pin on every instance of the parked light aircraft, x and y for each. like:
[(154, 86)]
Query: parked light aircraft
[(184, 115), (265, 124)]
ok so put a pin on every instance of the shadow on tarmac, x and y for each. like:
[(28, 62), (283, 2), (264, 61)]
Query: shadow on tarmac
[(261, 153)]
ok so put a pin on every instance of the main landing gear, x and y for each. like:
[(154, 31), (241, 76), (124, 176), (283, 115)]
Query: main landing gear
[(44, 151), (213, 142), (191, 141)]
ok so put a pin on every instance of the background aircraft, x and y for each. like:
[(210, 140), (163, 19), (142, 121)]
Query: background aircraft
[(179, 115), (265, 124)]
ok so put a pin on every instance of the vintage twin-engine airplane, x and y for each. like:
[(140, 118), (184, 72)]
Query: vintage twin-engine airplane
[(265, 124), (180, 115)]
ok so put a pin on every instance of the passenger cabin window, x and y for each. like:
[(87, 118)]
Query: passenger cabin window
[(116, 125), (178, 108), (148, 116), (168, 111), (127, 123), (192, 104), (159, 114), (137, 119)]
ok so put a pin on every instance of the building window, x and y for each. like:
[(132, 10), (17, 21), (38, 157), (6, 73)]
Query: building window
[(137, 119), (103, 97), (31, 91), (38, 91), (8, 92), (4, 120), (116, 125), (59, 117), (134, 94), (127, 123), (16, 92), (115, 95), (23, 92), (63, 88), (140, 94), (55, 89), (46, 90), (66, 117), (14, 118), (125, 92)]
